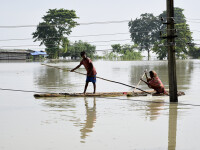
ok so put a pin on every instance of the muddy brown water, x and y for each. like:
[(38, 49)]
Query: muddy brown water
[(86, 123)]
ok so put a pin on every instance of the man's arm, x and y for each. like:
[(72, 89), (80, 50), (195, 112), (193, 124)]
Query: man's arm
[(75, 68)]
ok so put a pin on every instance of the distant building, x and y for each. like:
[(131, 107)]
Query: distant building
[(20, 54), (38, 54)]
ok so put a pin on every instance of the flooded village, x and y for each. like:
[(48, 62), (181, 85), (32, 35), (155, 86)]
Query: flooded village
[(81, 76)]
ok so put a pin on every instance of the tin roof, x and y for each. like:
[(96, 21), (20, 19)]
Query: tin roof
[(15, 51)]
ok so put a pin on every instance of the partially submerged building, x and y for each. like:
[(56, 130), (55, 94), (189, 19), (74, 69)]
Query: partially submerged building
[(20, 54), (38, 54)]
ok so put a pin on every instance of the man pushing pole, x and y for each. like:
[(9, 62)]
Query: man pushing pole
[(91, 71)]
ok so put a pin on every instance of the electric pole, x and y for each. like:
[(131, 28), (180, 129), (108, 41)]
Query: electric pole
[(171, 52)]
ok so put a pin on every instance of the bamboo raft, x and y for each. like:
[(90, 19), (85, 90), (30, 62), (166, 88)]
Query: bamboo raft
[(104, 94)]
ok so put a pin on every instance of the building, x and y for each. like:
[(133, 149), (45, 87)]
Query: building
[(20, 54), (38, 54)]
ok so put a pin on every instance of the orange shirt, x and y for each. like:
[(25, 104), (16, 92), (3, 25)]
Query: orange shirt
[(157, 85)]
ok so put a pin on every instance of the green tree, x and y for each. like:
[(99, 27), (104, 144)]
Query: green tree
[(52, 32), (126, 52), (75, 48), (194, 51), (116, 48), (184, 36), (144, 31)]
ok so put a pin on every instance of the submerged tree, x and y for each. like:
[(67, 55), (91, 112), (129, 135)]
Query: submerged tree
[(75, 48), (143, 31), (194, 51), (52, 32), (184, 36), (126, 52)]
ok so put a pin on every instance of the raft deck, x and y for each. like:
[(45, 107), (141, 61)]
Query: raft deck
[(103, 94)]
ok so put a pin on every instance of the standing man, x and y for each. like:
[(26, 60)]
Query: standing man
[(91, 71)]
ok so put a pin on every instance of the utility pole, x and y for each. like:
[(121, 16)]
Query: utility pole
[(171, 52)]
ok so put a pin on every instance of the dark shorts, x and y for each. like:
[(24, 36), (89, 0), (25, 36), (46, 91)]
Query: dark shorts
[(91, 79)]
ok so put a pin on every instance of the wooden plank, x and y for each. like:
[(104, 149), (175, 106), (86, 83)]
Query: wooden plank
[(102, 94)]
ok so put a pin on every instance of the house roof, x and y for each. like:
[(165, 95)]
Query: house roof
[(38, 53), (15, 51)]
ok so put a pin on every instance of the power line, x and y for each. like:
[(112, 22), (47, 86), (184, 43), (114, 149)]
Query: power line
[(75, 36), (52, 44), (69, 36), (89, 23)]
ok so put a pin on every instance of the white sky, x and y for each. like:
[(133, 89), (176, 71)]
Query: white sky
[(30, 12)]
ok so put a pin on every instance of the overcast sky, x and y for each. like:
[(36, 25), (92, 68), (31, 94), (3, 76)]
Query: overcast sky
[(30, 12)]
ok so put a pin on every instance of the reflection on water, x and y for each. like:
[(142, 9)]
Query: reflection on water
[(172, 126), (63, 108), (126, 72), (67, 111), (90, 120), (52, 78), (70, 123), (154, 109)]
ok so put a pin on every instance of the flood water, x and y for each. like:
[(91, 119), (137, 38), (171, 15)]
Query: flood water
[(86, 123)]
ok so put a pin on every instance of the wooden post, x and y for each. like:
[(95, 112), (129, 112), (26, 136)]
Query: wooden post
[(171, 52)]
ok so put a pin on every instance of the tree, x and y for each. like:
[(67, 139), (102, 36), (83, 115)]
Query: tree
[(194, 51), (143, 31), (52, 32), (127, 52), (75, 48), (116, 48), (184, 36)]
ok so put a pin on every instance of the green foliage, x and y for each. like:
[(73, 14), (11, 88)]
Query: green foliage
[(74, 49), (194, 51), (116, 48), (57, 24), (124, 52), (144, 31), (111, 56), (183, 33), (130, 55)]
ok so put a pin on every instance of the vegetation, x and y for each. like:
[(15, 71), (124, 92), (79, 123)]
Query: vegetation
[(145, 32), (74, 49), (52, 32), (184, 36), (194, 51), (124, 52)]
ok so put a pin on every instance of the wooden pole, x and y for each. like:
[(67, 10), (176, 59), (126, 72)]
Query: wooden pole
[(171, 52)]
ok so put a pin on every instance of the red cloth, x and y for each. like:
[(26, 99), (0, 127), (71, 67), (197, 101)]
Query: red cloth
[(156, 84), (87, 63)]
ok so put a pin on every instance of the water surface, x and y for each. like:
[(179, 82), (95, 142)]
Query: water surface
[(97, 123)]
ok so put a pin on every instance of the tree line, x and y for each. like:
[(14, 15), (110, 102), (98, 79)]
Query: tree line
[(145, 32)]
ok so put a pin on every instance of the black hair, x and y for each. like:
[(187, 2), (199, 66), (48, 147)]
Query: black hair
[(151, 73), (82, 53)]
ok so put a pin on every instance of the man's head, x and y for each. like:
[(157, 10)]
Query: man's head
[(83, 54)]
